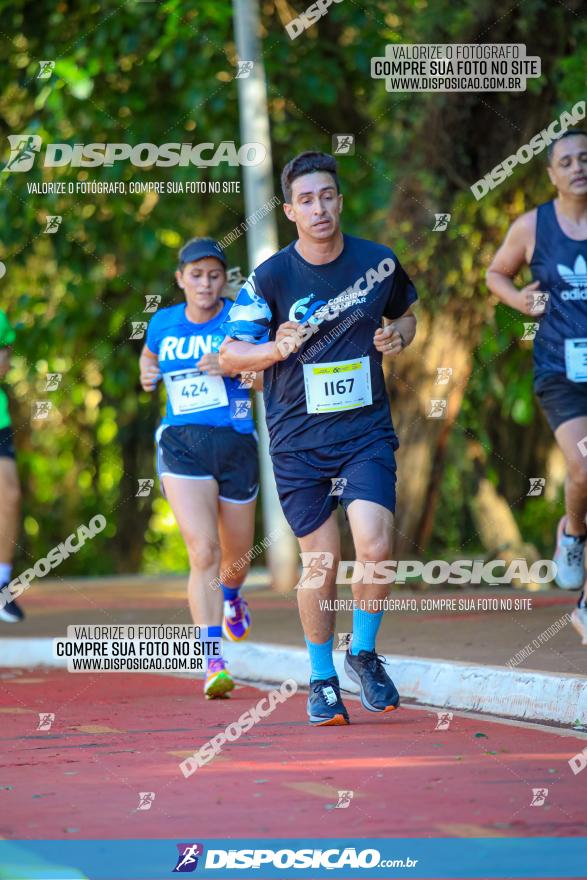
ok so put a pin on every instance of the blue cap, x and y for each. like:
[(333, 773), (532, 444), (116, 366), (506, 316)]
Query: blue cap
[(199, 249)]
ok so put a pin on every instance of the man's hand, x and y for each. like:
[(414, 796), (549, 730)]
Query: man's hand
[(531, 300), (290, 337), (388, 340)]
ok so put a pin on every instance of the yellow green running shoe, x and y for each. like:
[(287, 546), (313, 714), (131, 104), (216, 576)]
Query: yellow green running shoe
[(218, 682)]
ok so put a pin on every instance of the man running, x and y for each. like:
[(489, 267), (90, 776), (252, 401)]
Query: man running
[(10, 612), (552, 240), (206, 448), (311, 316)]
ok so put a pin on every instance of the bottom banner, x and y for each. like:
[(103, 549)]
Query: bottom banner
[(535, 857)]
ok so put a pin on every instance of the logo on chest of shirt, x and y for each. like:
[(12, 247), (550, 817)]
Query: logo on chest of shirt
[(184, 348), (355, 294), (576, 278), (302, 310)]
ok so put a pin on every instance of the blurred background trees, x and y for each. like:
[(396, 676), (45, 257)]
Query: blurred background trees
[(164, 72)]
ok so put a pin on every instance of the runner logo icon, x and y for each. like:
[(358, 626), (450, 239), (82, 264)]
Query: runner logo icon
[(539, 795), (152, 302), (187, 860), (537, 484), (46, 719), (530, 330), (343, 144), (315, 565), (22, 151), (441, 222), (338, 485), (146, 799), (344, 800), (344, 641), (53, 222), (444, 719), (46, 68)]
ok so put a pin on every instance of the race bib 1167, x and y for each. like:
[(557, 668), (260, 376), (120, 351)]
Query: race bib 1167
[(338, 386)]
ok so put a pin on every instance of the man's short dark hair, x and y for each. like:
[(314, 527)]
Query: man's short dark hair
[(307, 163), (565, 134)]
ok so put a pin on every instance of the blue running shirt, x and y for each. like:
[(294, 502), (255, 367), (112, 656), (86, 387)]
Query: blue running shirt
[(194, 398), (332, 390)]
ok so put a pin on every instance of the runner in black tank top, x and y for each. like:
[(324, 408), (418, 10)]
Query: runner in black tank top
[(559, 264), (552, 240)]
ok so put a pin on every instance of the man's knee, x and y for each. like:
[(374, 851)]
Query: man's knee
[(375, 548)]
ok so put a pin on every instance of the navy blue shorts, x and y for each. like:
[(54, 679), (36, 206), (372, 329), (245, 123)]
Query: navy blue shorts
[(199, 452), (311, 483), (561, 399), (6, 443)]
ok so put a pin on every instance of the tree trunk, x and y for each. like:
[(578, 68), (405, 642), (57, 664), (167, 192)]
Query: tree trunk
[(282, 552), (134, 513), (412, 381)]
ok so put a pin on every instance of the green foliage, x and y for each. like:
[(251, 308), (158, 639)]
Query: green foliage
[(138, 72)]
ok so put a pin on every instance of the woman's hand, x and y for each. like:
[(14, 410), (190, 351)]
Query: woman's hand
[(210, 364)]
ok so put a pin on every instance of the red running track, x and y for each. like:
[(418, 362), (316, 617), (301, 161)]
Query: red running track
[(116, 735)]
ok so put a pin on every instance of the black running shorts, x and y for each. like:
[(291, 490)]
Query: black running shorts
[(199, 452), (561, 400), (6, 443)]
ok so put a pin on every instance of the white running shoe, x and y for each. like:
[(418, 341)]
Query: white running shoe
[(579, 621), (10, 612), (568, 558)]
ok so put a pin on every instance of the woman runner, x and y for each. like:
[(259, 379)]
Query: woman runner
[(206, 448)]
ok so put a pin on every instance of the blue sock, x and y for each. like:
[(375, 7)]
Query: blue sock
[(214, 632), (365, 629), (229, 593), (321, 662)]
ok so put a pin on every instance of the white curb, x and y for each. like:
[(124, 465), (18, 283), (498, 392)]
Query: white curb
[(528, 695), (524, 694)]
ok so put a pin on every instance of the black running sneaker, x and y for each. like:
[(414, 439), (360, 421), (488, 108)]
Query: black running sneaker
[(10, 612), (325, 706), (378, 692)]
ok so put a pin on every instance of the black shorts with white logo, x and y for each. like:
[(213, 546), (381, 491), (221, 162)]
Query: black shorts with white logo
[(201, 452)]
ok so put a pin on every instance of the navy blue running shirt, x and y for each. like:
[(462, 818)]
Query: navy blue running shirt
[(559, 263), (345, 299), (179, 344)]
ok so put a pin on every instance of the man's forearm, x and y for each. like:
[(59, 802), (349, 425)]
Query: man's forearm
[(407, 328), (245, 356), (503, 287)]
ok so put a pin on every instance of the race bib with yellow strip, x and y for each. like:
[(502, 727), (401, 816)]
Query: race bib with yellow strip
[(576, 359), (338, 386), (191, 391)]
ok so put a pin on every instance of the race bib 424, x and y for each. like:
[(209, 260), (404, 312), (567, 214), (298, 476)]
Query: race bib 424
[(190, 391)]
